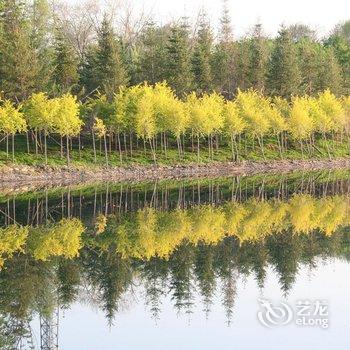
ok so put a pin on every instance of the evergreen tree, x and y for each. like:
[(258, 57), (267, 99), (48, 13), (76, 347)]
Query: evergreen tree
[(41, 34), (283, 74), (310, 62), (178, 68), (202, 56), (65, 72), (19, 66), (330, 74), (88, 74), (341, 47), (223, 56), (152, 54), (104, 69), (258, 59), (242, 64)]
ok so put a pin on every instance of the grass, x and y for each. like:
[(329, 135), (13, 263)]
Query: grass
[(86, 157)]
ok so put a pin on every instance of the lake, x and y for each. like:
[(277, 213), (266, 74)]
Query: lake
[(241, 262)]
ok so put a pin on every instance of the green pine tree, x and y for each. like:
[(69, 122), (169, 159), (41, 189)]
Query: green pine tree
[(178, 59), (283, 73), (258, 59), (330, 73), (223, 56), (19, 66), (65, 72), (103, 68), (202, 56), (153, 54), (310, 62)]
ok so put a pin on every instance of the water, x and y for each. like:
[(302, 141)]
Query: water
[(177, 265)]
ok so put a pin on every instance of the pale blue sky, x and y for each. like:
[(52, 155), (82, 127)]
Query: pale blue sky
[(322, 15)]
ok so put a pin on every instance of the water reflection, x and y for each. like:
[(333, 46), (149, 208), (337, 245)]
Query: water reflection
[(96, 245)]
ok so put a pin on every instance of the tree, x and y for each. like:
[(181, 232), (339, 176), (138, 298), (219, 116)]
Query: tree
[(39, 18), (341, 49), (40, 115), (99, 129), (301, 124), (234, 126), (283, 72), (331, 73), (258, 59), (310, 62), (251, 109), (178, 58), (66, 121), (202, 56), (11, 122), (242, 64), (65, 73), (19, 66), (152, 54), (104, 67), (223, 56), (145, 121)]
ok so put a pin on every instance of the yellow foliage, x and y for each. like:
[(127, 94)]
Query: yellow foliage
[(60, 239), (301, 123), (11, 119), (99, 127), (12, 239)]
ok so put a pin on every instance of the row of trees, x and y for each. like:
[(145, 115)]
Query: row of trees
[(157, 116), (41, 115), (86, 49), (194, 275), (150, 233)]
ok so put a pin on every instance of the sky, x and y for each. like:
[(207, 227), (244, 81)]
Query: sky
[(319, 14)]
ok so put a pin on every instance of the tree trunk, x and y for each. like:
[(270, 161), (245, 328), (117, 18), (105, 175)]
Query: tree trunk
[(36, 142), (45, 146), (94, 145), (13, 148), (232, 149), (67, 150), (152, 150), (119, 147), (79, 145), (27, 139), (7, 145), (106, 151), (197, 148)]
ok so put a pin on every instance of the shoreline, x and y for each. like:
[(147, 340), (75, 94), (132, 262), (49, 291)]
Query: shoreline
[(19, 176)]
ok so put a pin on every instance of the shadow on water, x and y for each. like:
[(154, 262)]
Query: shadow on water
[(96, 245)]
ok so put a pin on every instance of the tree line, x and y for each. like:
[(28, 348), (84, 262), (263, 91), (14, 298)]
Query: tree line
[(149, 233), (156, 116), (61, 66)]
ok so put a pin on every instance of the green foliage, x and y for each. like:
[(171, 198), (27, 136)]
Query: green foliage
[(284, 73)]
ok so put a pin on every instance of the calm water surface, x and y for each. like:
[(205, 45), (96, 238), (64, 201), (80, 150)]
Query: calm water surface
[(178, 265)]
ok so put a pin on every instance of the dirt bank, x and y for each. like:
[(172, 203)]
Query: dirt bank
[(17, 176)]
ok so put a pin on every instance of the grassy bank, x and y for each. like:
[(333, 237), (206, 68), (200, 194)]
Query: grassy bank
[(250, 151)]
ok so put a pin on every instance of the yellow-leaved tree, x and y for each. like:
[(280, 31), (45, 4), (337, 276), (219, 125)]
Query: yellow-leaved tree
[(11, 122), (40, 114), (145, 119), (234, 126), (252, 108), (67, 122), (301, 124)]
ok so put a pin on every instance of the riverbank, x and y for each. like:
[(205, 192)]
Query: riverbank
[(17, 176)]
